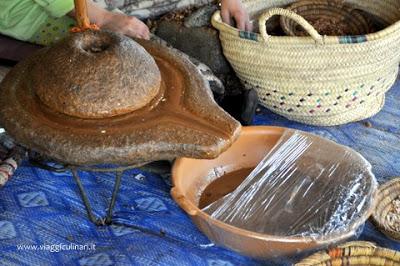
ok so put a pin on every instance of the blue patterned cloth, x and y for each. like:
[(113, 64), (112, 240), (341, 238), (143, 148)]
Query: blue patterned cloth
[(38, 207)]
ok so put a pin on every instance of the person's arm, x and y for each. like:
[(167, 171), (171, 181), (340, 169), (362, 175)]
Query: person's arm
[(57, 8), (116, 22), (234, 9)]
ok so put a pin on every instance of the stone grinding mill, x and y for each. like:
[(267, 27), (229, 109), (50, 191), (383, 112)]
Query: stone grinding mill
[(99, 101)]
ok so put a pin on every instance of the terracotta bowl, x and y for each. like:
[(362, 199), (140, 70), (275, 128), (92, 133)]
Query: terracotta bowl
[(191, 177)]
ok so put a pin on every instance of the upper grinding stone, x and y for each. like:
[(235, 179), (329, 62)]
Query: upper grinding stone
[(96, 75)]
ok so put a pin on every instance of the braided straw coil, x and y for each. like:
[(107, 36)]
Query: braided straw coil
[(386, 195), (318, 80), (354, 253), (327, 17)]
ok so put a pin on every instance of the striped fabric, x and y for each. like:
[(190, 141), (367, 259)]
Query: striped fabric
[(248, 35), (353, 39)]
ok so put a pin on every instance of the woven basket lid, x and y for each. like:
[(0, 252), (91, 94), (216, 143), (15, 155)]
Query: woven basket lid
[(99, 97)]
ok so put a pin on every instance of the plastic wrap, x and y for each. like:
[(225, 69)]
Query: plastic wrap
[(303, 187)]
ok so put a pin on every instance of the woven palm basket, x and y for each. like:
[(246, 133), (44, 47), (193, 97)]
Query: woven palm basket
[(381, 217), (354, 253), (327, 17), (317, 80)]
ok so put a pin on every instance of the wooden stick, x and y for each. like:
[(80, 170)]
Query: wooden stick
[(81, 14), (82, 18)]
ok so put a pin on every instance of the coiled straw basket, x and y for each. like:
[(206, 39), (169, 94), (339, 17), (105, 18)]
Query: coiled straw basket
[(317, 80), (342, 18), (354, 253), (386, 195)]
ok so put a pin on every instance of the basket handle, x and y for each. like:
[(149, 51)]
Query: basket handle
[(292, 15)]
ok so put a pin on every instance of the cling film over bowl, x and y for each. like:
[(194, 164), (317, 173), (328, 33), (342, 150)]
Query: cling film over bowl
[(304, 188)]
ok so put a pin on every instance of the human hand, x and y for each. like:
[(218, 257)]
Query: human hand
[(117, 22), (127, 25), (235, 9)]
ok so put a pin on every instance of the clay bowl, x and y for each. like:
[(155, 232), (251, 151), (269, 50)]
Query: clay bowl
[(191, 176)]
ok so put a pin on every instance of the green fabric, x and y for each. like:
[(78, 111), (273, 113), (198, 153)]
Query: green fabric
[(23, 19), (56, 8), (53, 30)]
